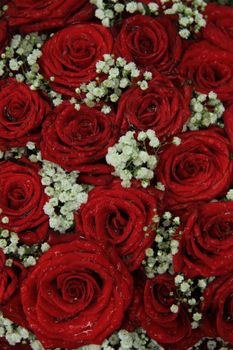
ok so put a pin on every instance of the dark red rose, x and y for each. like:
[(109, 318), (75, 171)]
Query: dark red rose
[(209, 69), (218, 305), (10, 281), (162, 107), (70, 56), (74, 138), (219, 27), (33, 16), (228, 123), (22, 112), (118, 215), (76, 295), (156, 317), (4, 36), (206, 244), (150, 43), (199, 169), (9, 278), (22, 199)]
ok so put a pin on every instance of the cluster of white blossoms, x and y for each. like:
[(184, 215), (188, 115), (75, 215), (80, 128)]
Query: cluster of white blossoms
[(160, 256), (20, 59), (130, 157), (66, 195), (211, 344), (124, 340), (14, 152), (190, 14), (190, 292), (205, 111), (119, 74), (15, 334), (12, 248), (110, 11)]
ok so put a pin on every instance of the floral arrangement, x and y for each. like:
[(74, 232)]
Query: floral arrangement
[(116, 175)]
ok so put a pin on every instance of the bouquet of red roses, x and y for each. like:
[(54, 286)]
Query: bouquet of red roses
[(116, 175)]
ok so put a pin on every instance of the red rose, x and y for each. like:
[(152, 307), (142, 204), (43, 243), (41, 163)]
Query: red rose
[(4, 36), (206, 244), (218, 305), (76, 295), (10, 301), (22, 199), (162, 107), (118, 215), (156, 317), (74, 138), (32, 16), (218, 29), (70, 56), (228, 123), (9, 277), (209, 69), (150, 43), (22, 112), (199, 169)]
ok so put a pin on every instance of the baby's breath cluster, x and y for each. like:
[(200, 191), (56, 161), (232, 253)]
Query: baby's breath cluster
[(130, 157), (124, 340), (159, 257), (66, 195), (12, 248), (206, 110), (190, 13), (20, 59), (119, 74), (15, 152), (110, 11), (15, 334), (190, 292), (211, 344)]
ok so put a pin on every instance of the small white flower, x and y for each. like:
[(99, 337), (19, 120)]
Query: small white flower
[(174, 308)]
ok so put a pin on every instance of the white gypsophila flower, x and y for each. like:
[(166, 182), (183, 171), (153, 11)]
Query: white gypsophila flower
[(205, 111), (66, 196), (229, 195), (130, 158)]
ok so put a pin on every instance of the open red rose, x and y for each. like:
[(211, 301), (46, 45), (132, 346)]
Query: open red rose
[(77, 294), (150, 43), (218, 306), (228, 123), (199, 169), (162, 107), (22, 112), (71, 54), (206, 243), (74, 138), (33, 16), (9, 277), (22, 199), (10, 281), (156, 317), (118, 215), (209, 69), (218, 29), (4, 36)]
